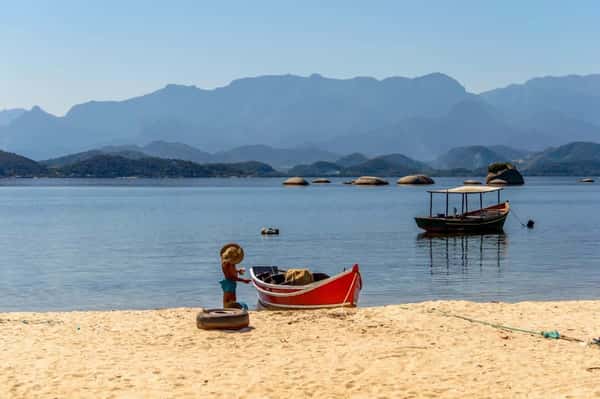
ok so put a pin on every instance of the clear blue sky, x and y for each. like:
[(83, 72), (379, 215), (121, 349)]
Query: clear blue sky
[(59, 53)]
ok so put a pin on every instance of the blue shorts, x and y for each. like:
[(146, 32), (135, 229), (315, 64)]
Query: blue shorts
[(228, 285)]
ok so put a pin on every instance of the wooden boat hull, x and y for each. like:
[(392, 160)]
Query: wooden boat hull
[(337, 291), (490, 219)]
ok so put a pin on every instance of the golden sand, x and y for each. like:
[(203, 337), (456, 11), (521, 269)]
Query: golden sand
[(407, 351)]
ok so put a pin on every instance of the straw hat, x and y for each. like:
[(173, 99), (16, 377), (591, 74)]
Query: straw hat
[(232, 253)]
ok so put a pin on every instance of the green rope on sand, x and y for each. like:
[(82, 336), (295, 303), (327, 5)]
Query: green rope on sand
[(546, 334), (485, 323), (551, 334)]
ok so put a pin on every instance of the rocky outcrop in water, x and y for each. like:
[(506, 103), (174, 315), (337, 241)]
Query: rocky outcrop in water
[(295, 181), (416, 179), (504, 171), (370, 181)]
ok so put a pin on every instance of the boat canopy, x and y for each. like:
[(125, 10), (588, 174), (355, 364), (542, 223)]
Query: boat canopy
[(467, 190), (464, 192)]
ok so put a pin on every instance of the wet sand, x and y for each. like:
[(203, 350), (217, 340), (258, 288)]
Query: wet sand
[(399, 351)]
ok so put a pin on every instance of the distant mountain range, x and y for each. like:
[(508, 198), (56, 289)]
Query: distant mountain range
[(573, 159), (279, 158), (475, 157), (8, 115), (355, 158), (577, 158), (421, 118)]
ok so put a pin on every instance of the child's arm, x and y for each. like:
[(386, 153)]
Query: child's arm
[(241, 271), (231, 273)]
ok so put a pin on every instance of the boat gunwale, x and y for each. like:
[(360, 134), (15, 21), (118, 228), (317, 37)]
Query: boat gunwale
[(503, 209), (465, 222), (297, 289), (282, 306)]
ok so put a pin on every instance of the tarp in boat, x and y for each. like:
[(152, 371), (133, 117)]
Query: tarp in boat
[(298, 277)]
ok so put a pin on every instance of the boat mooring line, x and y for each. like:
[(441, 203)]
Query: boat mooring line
[(529, 223), (553, 334)]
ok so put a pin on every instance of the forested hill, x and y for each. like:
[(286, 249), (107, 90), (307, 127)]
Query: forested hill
[(16, 165), (107, 166)]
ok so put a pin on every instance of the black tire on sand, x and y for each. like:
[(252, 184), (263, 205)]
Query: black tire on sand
[(222, 319)]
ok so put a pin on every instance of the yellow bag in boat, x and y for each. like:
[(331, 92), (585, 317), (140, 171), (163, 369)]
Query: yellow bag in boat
[(298, 277)]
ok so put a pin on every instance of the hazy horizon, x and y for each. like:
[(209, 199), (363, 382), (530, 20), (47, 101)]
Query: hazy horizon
[(68, 53), (7, 108)]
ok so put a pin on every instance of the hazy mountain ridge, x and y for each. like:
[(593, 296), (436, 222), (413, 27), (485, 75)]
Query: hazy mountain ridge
[(574, 96), (572, 152), (478, 157), (420, 117), (467, 122), (282, 158), (163, 149), (280, 111), (8, 115), (472, 157), (509, 153), (38, 134), (320, 168), (577, 158), (558, 109), (355, 158)]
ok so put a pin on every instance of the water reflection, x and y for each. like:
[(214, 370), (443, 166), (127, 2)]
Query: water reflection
[(463, 253)]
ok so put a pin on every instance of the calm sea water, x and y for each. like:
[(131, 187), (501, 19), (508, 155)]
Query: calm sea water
[(114, 244)]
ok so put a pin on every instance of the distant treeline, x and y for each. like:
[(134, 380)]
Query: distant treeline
[(574, 159), (112, 166)]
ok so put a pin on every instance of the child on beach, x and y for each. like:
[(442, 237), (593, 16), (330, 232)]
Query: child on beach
[(231, 255)]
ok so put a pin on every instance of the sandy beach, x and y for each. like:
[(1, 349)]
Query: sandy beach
[(399, 351)]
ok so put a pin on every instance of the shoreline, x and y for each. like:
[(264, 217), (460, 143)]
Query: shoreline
[(255, 309), (407, 350), (278, 176)]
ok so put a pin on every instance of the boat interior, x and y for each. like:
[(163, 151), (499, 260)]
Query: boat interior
[(485, 213), (465, 191), (275, 275)]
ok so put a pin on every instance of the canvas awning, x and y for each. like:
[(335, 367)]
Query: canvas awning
[(467, 190)]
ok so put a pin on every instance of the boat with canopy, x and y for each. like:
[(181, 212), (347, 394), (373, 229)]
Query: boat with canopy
[(486, 219)]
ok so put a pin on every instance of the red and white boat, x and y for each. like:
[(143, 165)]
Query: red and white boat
[(324, 292)]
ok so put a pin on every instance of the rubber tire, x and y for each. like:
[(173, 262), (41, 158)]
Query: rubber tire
[(222, 319)]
